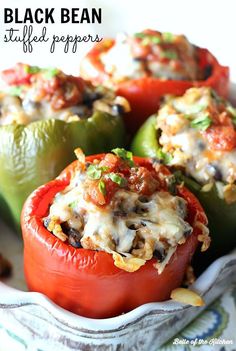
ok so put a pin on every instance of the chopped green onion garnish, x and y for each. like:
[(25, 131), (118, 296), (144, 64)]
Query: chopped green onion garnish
[(125, 155), (146, 41), (140, 35), (155, 39), (168, 37), (102, 187), (95, 172), (15, 91), (116, 178), (201, 122), (169, 54), (32, 69), (73, 204), (51, 72), (148, 38), (166, 157)]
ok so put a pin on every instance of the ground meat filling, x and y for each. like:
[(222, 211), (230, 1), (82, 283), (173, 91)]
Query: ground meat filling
[(152, 53), (53, 94), (197, 132), (136, 222)]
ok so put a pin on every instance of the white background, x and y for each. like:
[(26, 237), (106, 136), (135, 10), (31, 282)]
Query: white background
[(207, 23)]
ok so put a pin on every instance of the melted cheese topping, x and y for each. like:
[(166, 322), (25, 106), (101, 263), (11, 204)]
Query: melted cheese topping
[(30, 106), (133, 228), (174, 58), (182, 136), (26, 110)]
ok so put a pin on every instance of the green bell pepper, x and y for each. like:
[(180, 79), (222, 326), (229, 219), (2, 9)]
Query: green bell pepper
[(33, 154), (221, 215)]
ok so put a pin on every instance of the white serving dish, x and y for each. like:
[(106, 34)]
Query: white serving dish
[(33, 320), (37, 324)]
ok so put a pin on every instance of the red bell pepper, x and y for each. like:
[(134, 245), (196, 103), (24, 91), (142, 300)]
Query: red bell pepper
[(144, 94), (87, 282)]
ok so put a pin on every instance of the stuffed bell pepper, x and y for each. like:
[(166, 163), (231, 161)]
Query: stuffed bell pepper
[(147, 65), (45, 114), (196, 134), (111, 233)]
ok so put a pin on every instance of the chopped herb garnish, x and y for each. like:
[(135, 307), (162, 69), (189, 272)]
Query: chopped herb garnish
[(102, 187), (168, 37), (116, 178), (187, 116), (125, 155), (201, 122), (95, 172), (155, 40), (148, 38), (15, 91), (140, 35), (32, 69), (146, 41), (51, 72), (73, 204), (166, 157), (169, 54)]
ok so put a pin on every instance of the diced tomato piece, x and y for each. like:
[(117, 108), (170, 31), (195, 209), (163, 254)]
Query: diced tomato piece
[(95, 195), (99, 198), (17, 75), (138, 50), (143, 181), (221, 138), (111, 161)]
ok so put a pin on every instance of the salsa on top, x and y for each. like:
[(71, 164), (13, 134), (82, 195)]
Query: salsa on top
[(152, 53), (35, 93), (117, 206), (198, 132)]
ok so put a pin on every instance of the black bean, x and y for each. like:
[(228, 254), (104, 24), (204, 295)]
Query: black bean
[(218, 174), (74, 237), (140, 210), (139, 59), (215, 171), (201, 145), (119, 213), (90, 97), (132, 227), (118, 109), (207, 71), (46, 221), (187, 232), (159, 254), (144, 199)]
